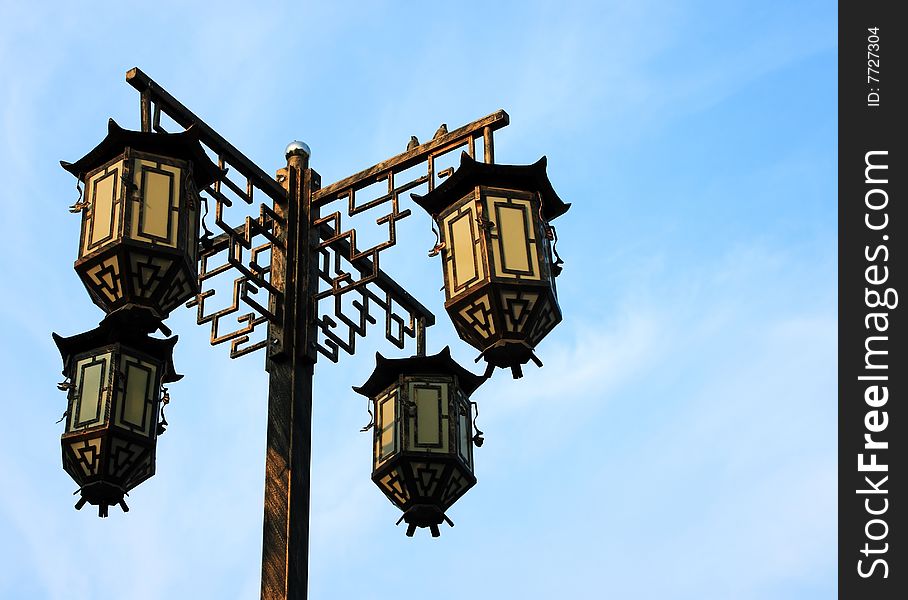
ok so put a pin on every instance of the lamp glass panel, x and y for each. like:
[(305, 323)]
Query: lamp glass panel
[(463, 434), (513, 240), (462, 242), (154, 212), (386, 438), (92, 383), (136, 410), (429, 424), (156, 203), (103, 216), (512, 228), (462, 255)]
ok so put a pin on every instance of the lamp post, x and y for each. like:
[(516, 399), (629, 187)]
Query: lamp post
[(294, 273)]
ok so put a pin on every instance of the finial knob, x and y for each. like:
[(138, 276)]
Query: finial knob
[(297, 147)]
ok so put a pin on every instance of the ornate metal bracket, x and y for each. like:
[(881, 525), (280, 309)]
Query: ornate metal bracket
[(245, 251), (339, 251)]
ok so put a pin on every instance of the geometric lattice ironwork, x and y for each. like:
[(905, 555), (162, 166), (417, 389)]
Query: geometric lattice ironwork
[(235, 258), (392, 483), (478, 315), (517, 306), (427, 476), (457, 486), (86, 455), (345, 266), (124, 455), (241, 254), (544, 322)]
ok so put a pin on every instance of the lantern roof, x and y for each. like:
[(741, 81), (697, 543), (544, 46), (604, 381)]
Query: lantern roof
[(387, 370), (184, 145), (471, 173), (127, 327)]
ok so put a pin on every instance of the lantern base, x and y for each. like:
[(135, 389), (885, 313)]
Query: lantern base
[(424, 515), (102, 495), (508, 353)]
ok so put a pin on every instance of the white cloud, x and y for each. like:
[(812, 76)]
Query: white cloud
[(682, 426)]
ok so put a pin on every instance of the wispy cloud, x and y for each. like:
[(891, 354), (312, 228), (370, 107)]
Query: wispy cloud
[(679, 441)]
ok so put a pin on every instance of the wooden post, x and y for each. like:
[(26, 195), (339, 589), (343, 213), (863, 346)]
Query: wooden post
[(290, 364)]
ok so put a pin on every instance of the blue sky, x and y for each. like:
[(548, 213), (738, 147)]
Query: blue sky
[(680, 440)]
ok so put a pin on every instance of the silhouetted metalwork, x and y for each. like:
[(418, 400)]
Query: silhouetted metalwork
[(244, 251), (496, 245), (114, 387), (422, 457), (282, 269), (140, 218), (288, 269)]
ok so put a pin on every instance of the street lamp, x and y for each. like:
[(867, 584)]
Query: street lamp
[(422, 457), (300, 286), (114, 382), (140, 218), (496, 251)]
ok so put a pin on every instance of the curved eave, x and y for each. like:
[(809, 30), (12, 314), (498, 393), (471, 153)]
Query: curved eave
[(387, 371), (184, 145), (471, 173), (106, 334)]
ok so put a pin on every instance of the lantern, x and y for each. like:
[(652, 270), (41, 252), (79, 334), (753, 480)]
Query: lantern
[(496, 250), (114, 377), (422, 444), (140, 218)]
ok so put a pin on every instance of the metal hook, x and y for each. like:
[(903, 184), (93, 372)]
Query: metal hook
[(556, 267), (477, 438), (371, 417), (165, 400), (80, 204), (439, 245)]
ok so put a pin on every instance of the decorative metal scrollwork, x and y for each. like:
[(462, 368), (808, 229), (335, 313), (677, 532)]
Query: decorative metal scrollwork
[(244, 252), (346, 267)]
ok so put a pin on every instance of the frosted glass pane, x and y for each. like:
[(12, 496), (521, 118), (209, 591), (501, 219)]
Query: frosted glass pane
[(386, 423), (156, 212), (512, 229), (464, 437), (102, 207), (428, 425), (138, 381), (90, 392), (463, 249)]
